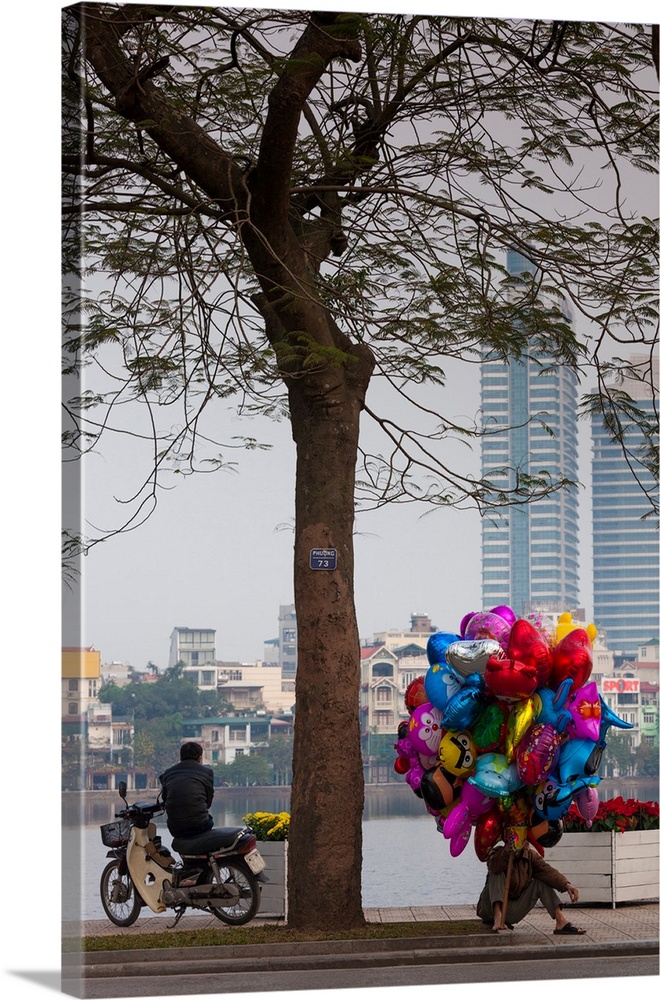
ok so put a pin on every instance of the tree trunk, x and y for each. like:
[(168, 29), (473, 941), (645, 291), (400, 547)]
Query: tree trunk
[(327, 793)]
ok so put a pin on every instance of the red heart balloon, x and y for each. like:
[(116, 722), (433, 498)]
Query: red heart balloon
[(509, 680), (572, 658), (487, 831), (527, 645)]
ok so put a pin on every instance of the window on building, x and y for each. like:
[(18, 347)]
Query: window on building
[(240, 753), (215, 735), (73, 685), (73, 708), (208, 677), (237, 734), (382, 670), (648, 717), (383, 695)]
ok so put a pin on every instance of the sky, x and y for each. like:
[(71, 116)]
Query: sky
[(389, 584), (217, 552)]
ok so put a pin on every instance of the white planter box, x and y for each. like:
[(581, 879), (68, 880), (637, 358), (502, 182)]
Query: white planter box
[(273, 892), (609, 867)]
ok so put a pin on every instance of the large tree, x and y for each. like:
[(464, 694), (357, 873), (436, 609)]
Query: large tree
[(282, 206)]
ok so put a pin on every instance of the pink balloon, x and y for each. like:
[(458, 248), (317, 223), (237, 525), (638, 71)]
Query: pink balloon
[(585, 709), (459, 842), (587, 803), (486, 625)]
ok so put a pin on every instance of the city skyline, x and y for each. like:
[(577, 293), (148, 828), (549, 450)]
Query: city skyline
[(530, 553), (625, 546)]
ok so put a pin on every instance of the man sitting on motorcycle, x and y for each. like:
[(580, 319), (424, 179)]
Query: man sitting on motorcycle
[(187, 793)]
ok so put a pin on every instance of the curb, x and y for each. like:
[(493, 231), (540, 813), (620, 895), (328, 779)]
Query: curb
[(336, 954)]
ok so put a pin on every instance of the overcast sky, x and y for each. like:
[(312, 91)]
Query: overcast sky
[(217, 552)]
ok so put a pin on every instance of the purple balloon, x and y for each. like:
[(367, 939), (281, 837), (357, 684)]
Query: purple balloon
[(464, 620), (504, 611)]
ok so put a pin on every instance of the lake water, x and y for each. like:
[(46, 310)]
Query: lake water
[(406, 862)]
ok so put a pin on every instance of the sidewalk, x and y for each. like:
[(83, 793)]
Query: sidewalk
[(634, 922)]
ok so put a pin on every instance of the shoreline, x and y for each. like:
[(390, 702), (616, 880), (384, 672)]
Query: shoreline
[(275, 790)]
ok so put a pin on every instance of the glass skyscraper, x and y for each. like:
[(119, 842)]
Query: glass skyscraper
[(625, 547), (530, 551)]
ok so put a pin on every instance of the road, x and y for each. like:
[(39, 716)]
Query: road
[(410, 975)]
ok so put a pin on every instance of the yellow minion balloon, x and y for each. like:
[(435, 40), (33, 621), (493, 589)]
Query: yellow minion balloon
[(457, 754)]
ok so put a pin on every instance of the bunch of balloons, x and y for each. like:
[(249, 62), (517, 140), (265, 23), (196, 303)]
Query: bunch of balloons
[(506, 730)]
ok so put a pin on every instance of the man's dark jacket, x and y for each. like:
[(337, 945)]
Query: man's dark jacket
[(187, 792)]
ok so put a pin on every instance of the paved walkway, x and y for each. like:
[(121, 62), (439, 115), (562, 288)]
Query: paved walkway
[(632, 922)]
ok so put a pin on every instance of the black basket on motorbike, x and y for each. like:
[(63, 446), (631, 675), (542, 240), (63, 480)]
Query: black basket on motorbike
[(116, 834)]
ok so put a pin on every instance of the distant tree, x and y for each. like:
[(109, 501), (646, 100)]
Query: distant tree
[(159, 710), (156, 742), (646, 759), (279, 756), (166, 696), (248, 769), (619, 752), (280, 208)]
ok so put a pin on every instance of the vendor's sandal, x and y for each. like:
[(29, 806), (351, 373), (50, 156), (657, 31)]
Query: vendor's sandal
[(570, 929)]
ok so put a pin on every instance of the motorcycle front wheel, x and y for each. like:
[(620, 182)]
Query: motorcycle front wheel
[(245, 890), (119, 896)]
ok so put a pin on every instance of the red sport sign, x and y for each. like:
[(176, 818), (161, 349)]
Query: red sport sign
[(620, 685)]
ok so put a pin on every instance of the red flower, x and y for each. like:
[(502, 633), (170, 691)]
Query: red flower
[(614, 814)]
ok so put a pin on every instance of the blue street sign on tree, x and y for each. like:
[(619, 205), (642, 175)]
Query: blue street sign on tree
[(323, 559)]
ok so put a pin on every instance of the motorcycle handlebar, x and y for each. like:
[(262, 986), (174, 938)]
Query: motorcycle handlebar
[(140, 808)]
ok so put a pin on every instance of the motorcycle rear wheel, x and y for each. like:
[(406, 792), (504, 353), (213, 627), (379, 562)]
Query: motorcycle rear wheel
[(119, 896), (237, 877)]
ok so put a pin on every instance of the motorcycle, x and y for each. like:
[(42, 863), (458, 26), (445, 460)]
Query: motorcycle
[(220, 871)]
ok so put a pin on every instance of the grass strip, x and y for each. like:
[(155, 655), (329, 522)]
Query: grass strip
[(210, 936)]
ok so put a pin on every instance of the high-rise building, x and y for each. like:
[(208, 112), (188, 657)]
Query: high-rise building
[(625, 544), (529, 407)]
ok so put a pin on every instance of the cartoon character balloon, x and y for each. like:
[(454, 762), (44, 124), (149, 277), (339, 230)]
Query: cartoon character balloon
[(495, 776), (441, 681), (584, 706), (509, 680), (463, 707), (425, 729), (456, 754)]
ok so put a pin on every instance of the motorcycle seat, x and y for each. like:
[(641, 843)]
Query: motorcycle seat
[(205, 843)]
